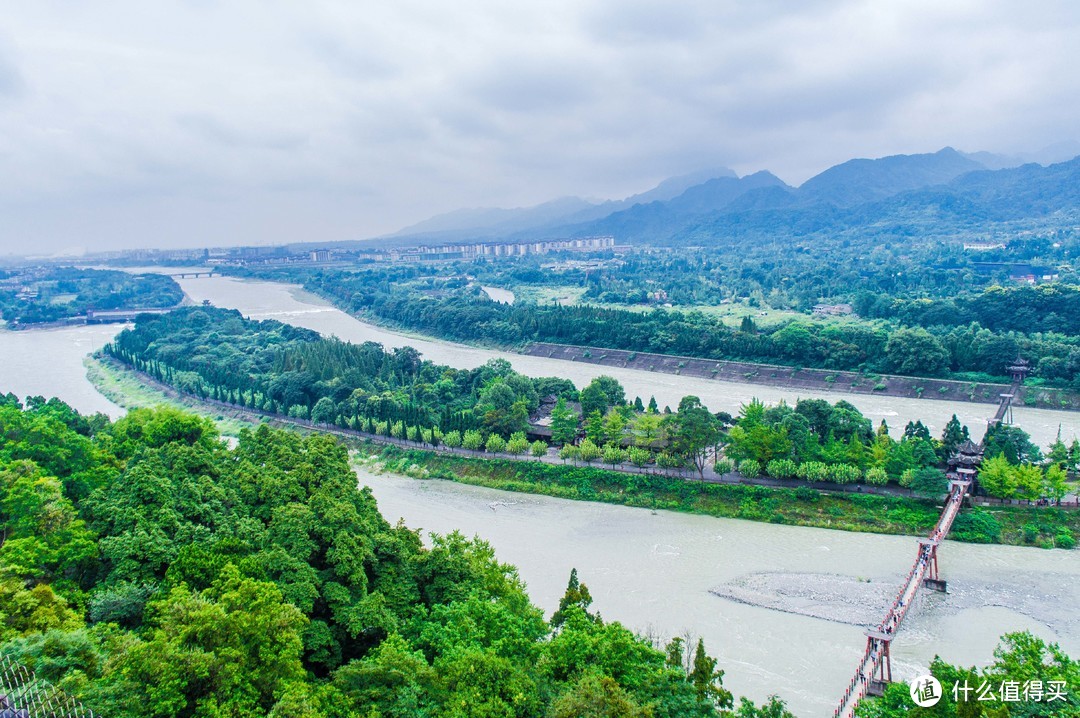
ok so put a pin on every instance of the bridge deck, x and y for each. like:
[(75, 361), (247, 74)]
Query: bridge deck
[(877, 641)]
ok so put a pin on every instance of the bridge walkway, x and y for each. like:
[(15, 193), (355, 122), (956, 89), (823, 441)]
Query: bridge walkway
[(874, 668)]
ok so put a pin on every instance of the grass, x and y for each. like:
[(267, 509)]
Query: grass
[(123, 388), (798, 507), (547, 295)]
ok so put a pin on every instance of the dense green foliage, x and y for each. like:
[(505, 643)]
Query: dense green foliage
[(267, 365), (979, 333), (68, 292), (150, 570), (1029, 678)]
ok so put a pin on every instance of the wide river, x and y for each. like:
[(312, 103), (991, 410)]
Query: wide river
[(653, 570)]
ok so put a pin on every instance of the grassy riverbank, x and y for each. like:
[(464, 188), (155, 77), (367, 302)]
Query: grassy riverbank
[(805, 506), (123, 388), (1014, 525)]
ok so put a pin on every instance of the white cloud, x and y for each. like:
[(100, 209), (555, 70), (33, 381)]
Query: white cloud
[(127, 124)]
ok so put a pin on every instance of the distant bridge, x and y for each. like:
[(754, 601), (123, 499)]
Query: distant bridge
[(195, 275), (111, 316)]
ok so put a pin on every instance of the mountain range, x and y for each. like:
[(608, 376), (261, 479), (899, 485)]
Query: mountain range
[(938, 193)]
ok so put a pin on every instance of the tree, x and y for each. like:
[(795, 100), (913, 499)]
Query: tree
[(693, 431), (495, 444), (951, 438), (614, 423), (1029, 481), (594, 399), (750, 468), (929, 482), (472, 440), (1054, 484), (324, 411), (564, 423), (596, 696), (1012, 441), (538, 448), (997, 477), (595, 429), (639, 457), (613, 455), (576, 596), (646, 428), (916, 351), (588, 451), (518, 444), (707, 681)]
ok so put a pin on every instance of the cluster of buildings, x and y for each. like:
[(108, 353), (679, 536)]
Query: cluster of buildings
[(500, 249)]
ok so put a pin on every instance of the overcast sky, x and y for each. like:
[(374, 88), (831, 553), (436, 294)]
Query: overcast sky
[(127, 124)]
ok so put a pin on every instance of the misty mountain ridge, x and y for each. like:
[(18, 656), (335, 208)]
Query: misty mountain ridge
[(945, 184)]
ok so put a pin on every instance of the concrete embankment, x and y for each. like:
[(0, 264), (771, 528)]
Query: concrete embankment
[(844, 382)]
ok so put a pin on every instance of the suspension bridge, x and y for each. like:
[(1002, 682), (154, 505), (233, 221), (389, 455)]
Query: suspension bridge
[(874, 670)]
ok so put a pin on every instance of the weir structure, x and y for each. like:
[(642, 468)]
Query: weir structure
[(874, 671)]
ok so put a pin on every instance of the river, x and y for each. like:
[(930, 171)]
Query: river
[(288, 303), (653, 570)]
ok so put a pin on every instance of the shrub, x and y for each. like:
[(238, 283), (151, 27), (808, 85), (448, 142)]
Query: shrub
[(472, 440), (781, 468), (724, 466), (452, 439), (805, 493), (844, 473), (750, 468), (538, 448), (495, 444), (877, 476), (1065, 539), (976, 526), (518, 444), (813, 471), (569, 451)]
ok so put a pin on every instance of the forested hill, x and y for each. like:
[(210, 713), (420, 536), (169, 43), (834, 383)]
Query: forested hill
[(940, 194), (47, 294), (866, 202), (149, 570)]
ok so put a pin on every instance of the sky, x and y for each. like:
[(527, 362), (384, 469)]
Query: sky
[(185, 123)]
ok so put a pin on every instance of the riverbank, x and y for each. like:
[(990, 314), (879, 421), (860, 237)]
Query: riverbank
[(845, 382), (802, 506), (771, 375)]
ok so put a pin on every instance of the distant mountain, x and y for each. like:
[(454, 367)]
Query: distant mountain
[(972, 204), (859, 181), (655, 221), (919, 196), (488, 222)]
